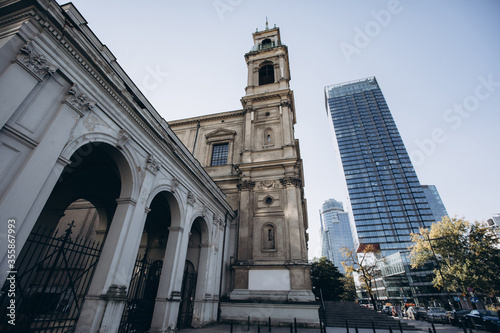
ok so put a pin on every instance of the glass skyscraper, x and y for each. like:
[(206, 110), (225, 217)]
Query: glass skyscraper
[(335, 232), (387, 200), (437, 207)]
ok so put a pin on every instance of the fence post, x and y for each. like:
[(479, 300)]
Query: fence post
[(258, 327), (295, 323), (401, 327), (291, 327), (269, 325), (433, 328), (248, 324), (231, 327), (373, 326), (356, 328), (347, 326)]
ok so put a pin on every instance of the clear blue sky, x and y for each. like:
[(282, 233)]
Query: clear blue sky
[(437, 62)]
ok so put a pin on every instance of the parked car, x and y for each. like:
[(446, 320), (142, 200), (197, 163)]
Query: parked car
[(458, 316), (436, 314), (484, 319), (387, 309), (420, 313)]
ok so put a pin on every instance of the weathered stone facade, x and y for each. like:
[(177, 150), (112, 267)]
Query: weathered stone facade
[(77, 133), (261, 174)]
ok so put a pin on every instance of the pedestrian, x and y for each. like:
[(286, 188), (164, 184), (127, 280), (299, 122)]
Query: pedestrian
[(411, 313), (398, 309)]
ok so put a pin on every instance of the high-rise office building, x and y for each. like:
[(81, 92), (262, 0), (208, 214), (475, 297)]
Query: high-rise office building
[(435, 203), (335, 232), (387, 200)]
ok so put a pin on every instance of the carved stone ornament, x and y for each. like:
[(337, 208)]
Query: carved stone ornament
[(246, 185), (117, 293), (174, 185), (36, 63), (152, 164), (123, 137), (79, 100), (191, 199), (290, 181), (286, 103), (267, 185)]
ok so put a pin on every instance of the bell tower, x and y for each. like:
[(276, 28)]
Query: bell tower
[(253, 156), (271, 262)]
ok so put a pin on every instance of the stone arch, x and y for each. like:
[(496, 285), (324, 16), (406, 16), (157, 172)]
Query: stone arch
[(266, 73), (173, 199), (96, 173), (197, 255), (122, 156)]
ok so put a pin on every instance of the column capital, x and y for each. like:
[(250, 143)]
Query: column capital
[(78, 100), (35, 62)]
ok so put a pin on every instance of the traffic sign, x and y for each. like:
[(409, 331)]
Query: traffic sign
[(474, 300)]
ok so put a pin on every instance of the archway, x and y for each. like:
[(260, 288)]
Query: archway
[(56, 264), (197, 246), (138, 314)]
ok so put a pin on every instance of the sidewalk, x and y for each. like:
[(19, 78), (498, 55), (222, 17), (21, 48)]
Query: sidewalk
[(422, 325)]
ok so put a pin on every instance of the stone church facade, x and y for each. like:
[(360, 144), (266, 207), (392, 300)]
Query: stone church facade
[(253, 156), (116, 221)]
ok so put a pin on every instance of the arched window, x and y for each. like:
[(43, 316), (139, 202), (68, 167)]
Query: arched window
[(268, 137), (266, 43), (268, 237), (266, 74)]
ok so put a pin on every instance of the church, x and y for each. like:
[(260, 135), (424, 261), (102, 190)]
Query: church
[(117, 221)]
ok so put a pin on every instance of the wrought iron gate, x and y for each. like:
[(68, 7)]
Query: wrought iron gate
[(138, 313), (53, 277), (187, 296)]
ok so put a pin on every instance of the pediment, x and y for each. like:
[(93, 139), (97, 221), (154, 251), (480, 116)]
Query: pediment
[(220, 133)]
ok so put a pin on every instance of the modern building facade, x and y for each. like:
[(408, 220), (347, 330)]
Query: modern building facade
[(254, 158), (435, 203), (387, 200), (335, 232)]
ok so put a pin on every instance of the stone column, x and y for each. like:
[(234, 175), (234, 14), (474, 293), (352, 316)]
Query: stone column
[(168, 297), (105, 300), (25, 190), (248, 139), (287, 123), (19, 79)]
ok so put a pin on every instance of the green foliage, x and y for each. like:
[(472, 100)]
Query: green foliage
[(326, 276), (349, 294), (468, 255)]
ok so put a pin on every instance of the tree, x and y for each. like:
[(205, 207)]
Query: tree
[(363, 263), (467, 255), (326, 276), (349, 294)]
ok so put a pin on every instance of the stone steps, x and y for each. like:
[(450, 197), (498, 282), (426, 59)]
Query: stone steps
[(341, 314)]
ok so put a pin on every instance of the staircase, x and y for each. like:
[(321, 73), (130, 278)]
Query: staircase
[(337, 313)]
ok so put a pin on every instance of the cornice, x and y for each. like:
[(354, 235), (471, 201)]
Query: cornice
[(17, 18), (153, 128), (194, 120)]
